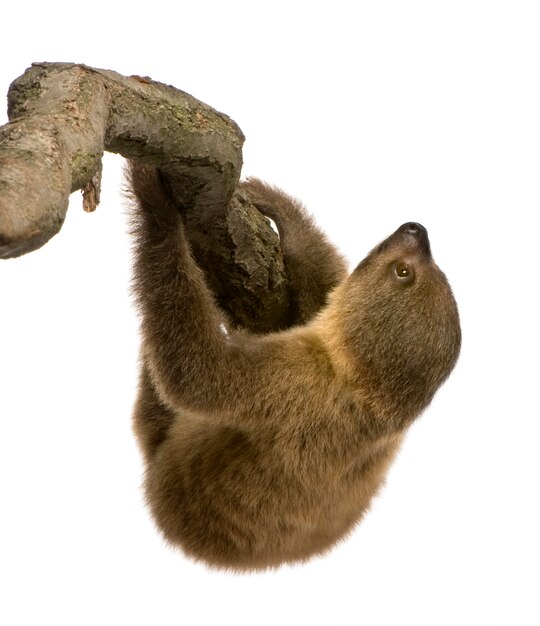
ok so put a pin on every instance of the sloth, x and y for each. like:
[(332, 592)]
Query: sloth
[(265, 449)]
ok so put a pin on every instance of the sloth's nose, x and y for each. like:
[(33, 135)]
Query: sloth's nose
[(415, 234), (413, 228)]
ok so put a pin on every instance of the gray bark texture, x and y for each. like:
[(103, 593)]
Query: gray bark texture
[(63, 116)]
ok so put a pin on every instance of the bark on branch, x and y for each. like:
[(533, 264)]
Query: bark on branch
[(63, 116)]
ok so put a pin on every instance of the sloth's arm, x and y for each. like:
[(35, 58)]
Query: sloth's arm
[(184, 346), (313, 265)]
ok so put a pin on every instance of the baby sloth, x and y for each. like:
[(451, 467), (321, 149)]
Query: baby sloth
[(267, 449)]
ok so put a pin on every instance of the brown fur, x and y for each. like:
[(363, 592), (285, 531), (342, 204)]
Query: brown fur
[(313, 265), (265, 449)]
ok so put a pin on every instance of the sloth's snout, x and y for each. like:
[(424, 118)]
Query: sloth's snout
[(414, 235), (413, 228)]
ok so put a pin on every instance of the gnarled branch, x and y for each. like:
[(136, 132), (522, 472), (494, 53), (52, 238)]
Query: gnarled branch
[(63, 116)]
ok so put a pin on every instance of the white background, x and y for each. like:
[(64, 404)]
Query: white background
[(374, 113)]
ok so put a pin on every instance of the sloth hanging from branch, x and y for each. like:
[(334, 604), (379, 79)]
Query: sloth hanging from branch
[(275, 387)]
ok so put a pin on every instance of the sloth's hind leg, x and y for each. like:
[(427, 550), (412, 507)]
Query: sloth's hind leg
[(151, 418)]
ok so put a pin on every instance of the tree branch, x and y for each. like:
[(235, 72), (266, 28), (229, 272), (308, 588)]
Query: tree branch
[(63, 116)]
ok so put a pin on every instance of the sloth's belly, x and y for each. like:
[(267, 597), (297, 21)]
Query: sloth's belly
[(233, 505)]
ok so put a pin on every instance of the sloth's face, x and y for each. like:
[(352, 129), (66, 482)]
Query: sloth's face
[(400, 259), (402, 319)]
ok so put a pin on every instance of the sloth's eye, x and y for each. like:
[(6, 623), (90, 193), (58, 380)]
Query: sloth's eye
[(404, 272)]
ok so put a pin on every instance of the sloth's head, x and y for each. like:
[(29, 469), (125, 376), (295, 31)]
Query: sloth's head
[(398, 320)]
